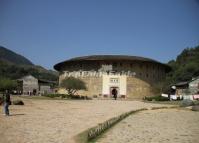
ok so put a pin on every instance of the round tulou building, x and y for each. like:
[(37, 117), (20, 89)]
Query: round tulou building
[(130, 76)]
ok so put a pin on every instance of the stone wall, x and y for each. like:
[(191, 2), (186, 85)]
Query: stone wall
[(140, 76)]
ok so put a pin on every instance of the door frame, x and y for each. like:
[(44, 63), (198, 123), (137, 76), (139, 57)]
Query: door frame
[(114, 87)]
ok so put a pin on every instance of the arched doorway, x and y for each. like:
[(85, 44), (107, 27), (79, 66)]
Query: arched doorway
[(114, 91)]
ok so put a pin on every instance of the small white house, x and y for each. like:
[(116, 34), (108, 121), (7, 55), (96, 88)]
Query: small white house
[(194, 86), (29, 84), (33, 86), (189, 89)]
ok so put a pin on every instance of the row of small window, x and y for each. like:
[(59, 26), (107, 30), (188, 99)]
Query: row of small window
[(114, 80), (141, 66), (134, 65), (148, 76), (85, 73), (80, 73)]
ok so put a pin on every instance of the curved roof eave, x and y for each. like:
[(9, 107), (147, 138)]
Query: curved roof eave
[(108, 57)]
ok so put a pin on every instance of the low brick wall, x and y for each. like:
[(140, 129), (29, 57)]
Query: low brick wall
[(92, 133)]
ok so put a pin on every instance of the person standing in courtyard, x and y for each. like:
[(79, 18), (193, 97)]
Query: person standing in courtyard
[(114, 93), (6, 102)]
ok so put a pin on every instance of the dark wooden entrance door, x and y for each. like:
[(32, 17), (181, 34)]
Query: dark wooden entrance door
[(114, 90)]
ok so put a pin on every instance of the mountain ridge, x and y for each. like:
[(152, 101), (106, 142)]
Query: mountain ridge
[(14, 66), (9, 56)]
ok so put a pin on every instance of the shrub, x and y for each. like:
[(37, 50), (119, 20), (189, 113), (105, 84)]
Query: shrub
[(94, 96), (17, 102), (80, 97), (105, 95), (156, 98), (7, 84), (67, 96), (63, 95), (76, 97), (55, 95), (1, 99)]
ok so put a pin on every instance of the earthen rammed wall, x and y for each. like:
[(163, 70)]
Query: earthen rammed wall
[(140, 76)]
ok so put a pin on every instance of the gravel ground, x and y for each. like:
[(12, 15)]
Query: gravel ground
[(155, 126)]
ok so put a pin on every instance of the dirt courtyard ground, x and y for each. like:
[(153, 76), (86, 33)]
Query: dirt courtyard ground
[(155, 126), (58, 121)]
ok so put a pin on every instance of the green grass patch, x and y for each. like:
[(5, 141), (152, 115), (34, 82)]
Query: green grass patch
[(55, 95), (39, 98)]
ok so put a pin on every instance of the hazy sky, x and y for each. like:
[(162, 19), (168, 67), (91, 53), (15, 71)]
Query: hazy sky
[(50, 31)]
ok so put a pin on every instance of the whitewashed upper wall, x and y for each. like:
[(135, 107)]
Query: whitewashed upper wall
[(138, 69)]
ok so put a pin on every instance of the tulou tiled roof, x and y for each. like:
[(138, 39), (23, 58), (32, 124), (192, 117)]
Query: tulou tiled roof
[(107, 58)]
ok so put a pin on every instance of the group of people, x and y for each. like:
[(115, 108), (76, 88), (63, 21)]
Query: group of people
[(6, 101)]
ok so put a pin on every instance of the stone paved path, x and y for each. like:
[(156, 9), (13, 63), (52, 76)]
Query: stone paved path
[(58, 121)]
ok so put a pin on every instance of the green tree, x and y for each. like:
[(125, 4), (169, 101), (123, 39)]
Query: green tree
[(185, 67), (72, 85), (7, 84)]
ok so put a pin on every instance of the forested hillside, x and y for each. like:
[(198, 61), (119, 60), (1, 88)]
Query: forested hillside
[(12, 57), (12, 65), (15, 66), (186, 65)]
